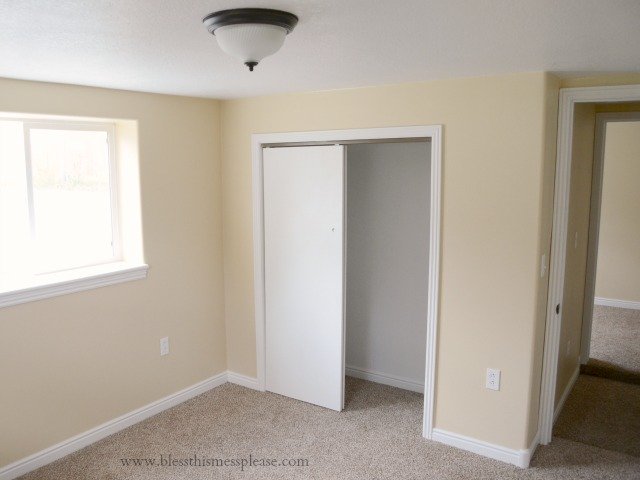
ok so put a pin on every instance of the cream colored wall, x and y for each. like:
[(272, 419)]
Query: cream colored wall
[(499, 144), (618, 267), (601, 80), (72, 362), (495, 160), (576, 251), (544, 247)]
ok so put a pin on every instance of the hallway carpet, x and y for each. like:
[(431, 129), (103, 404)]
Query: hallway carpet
[(615, 344), (603, 413), (377, 436)]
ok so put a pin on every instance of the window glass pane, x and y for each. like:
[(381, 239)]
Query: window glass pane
[(71, 198), (14, 214)]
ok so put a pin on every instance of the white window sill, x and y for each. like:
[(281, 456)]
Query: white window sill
[(70, 281)]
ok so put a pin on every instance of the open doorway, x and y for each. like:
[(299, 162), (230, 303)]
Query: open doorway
[(610, 346), (552, 394), (597, 392), (387, 236)]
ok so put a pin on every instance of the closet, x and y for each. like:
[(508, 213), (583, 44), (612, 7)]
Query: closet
[(346, 262)]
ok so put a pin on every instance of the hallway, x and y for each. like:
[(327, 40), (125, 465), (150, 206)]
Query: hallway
[(603, 409), (615, 345)]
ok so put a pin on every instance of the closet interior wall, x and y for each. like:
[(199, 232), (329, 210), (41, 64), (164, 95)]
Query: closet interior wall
[(387, 202)]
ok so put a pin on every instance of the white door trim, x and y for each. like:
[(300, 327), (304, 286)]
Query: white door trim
[(428, 132), (569, 97), (594, 225)]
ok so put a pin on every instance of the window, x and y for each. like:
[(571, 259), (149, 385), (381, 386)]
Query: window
[(59, 215)]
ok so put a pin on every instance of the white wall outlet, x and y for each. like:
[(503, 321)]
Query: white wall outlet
[(543, 265), (493, 379), (164, 346)]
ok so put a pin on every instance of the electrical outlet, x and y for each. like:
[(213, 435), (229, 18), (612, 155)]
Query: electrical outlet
[(493, 379), (164, 346)]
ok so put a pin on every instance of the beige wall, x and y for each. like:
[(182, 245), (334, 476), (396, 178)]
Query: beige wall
[(544, 246), (601, 80), (618, 268), (497, 163), (576, 249), (70, 363)]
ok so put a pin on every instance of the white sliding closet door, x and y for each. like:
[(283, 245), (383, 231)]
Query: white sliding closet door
[(304, 273)]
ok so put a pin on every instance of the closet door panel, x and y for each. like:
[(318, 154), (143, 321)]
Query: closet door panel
[(304, 273)]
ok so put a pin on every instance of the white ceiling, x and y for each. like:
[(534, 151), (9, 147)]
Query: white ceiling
[(161, 45)]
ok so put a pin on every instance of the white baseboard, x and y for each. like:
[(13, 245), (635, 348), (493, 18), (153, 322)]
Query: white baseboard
[(55, 452), (612, 302), (519, 458), (565, 394), (385, 379), (244, 381)]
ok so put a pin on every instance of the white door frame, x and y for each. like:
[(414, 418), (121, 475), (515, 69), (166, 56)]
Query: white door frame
[(602, 119), (428, 132), (569, 97)]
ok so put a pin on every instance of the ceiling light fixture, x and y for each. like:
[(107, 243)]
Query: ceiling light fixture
[(250, 34)]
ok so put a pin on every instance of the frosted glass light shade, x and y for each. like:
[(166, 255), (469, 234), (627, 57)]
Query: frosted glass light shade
[(250, 34), (250, 42)]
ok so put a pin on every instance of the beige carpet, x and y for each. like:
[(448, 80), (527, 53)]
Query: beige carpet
[(603, 413), (376, 437), (603, 409), (615, 344)]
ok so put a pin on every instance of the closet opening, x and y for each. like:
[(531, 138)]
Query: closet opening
[(387, 195), (346, 269)]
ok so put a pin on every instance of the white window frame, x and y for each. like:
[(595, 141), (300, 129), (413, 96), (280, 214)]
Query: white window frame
[(114, 270), (109, 129)]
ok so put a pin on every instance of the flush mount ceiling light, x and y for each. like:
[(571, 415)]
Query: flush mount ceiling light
[(250, 34)]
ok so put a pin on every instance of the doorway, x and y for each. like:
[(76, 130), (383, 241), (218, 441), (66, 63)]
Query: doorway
[(599, 404), (559, 349), (610, 344), (315, 354)]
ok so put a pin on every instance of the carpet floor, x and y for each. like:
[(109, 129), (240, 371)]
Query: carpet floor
[(615, 344), (377, 436), (603, 413), (603, 409)]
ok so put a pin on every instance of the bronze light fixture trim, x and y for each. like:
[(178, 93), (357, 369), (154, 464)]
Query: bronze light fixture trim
[(250, 34)]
